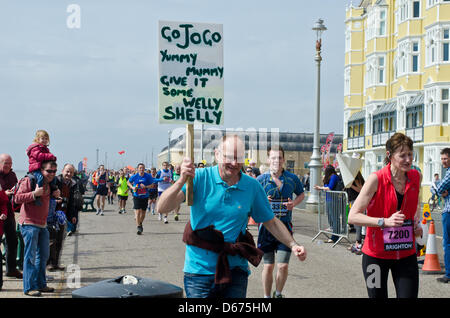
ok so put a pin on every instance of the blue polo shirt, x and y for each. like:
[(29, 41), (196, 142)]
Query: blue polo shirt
[(227, 208), (146, 180), (290, 184)]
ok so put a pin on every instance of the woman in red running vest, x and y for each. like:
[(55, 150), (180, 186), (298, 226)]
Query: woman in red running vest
[(391, 197)]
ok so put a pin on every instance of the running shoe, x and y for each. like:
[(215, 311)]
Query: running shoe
[(140, 229), (356, 249), (98, 212), (153, 212), (101, 212), (443, 279), (165, 220), (159, 216), (274, 295)]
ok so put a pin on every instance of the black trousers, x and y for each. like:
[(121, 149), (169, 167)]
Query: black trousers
[(56, 244), (9, 228), (405, 274)]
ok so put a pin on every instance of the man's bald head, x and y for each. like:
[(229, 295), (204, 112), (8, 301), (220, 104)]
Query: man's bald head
[(5, 163), (231, 147)]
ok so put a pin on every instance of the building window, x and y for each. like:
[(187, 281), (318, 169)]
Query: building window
[(416, 9), (356, 132), (414, 117), (384, 126), (415, 56), (382, 22), (431, 112), (430, 43), (408, 58), (375, 70), (380, 70), (347, 82), (376, 23), (445, 102), (445, 43), (403, 7), (431, 3), (437, 41)]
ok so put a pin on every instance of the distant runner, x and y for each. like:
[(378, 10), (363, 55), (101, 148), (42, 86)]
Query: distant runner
[(280, 186), (167, 175), (102, 190), (153, 191), (140, 183), (122, 191)]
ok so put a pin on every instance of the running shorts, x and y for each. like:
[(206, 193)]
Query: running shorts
[(102, 190), (153, 195), (268, 243), (122, 197), (140, 203), (282, 257)]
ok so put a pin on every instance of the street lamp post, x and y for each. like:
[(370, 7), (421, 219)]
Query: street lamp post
[(315, 163)]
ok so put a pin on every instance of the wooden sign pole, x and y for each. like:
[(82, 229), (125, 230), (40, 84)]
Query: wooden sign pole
[(190, 154)]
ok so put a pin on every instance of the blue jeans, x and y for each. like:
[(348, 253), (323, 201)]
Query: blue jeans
[(36, 253), (202, 286), (446, 241)]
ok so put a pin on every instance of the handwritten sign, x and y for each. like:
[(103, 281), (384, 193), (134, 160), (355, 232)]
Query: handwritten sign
[(191, 73)]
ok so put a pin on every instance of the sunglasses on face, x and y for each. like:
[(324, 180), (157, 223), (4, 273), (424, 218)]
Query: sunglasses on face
[(51, 171)]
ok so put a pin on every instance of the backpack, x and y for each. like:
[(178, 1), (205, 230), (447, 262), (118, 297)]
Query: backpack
[(33, 181), (339, 185), (78, 199)]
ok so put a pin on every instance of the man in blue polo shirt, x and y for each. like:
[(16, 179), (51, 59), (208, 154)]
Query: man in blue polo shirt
[(140, 183), (224, 198), (279, 186)]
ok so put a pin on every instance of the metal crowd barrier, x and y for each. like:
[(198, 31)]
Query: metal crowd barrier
[(332, 215)]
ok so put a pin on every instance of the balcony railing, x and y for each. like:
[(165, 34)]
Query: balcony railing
[(379, 139), (416, 134), (356, 142)]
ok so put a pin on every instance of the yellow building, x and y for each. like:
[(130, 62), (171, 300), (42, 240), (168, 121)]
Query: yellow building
[(397, 79)]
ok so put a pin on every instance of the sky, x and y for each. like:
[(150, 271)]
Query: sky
[(96, 86)]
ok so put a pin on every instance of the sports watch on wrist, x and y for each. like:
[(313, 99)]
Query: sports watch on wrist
[(381, 222)]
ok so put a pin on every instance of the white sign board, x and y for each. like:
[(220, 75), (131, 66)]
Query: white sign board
[(190, 73)]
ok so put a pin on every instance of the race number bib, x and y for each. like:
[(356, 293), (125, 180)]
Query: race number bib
[(141, 191), (279, 208), (399, 238)]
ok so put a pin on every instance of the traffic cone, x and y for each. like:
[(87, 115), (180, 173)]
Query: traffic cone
[(251, 221), (431, 264)]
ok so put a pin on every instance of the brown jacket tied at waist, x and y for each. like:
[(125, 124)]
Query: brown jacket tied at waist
[(213, 240)]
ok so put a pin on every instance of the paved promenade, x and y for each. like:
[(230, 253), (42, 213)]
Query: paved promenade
[(107, 247)]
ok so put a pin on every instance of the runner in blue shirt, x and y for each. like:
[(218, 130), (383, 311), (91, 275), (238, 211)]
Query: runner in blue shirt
[(224, 198), (279, 186), (140, 183)]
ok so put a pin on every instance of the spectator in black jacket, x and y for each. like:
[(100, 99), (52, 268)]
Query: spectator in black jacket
[(67, 185)]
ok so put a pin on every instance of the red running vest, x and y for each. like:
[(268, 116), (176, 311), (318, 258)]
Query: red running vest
[(383, 205)]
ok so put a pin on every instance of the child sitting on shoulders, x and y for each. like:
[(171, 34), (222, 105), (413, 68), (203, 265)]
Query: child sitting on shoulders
[(37, 153)]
